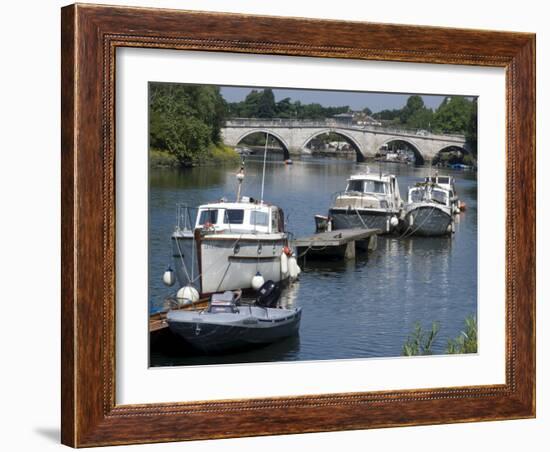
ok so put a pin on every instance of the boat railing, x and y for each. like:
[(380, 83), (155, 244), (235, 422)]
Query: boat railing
[(185, 217)]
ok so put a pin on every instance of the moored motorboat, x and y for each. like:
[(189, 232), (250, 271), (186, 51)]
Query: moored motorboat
[(225, 245), (447, 183), (429, 211), (369, 201), (228, 324)]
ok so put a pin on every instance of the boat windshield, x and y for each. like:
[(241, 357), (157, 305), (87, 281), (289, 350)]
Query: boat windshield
[(259, 218), (439, 196), (355, 185), (234, 216), (416, 195), (208, 216), (367, 186), (421, 194), (375, 186)]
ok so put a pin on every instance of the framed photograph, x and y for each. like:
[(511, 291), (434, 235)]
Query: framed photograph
[(282, 225)]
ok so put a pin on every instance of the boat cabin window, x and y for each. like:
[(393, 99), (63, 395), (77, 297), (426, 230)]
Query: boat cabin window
[(416, 195), (374, 186), (275, 221), (281, 220), (208, 216), (259, 218), (234, 216), (443, 180), (355, 185), (439, 196)]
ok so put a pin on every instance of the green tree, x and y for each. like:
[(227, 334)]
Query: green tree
[(421, 119), (285, 108), (413, 105), (184, 120), (387, 115), (454, 115), (266, 104), (261, 104), (471, 129)]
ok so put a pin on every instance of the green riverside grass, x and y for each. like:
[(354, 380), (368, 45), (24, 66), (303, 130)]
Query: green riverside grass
[(214, 155), (420, 341)]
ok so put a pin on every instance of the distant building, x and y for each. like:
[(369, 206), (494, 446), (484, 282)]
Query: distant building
[(363, 119), (358, 118), (344, 118)]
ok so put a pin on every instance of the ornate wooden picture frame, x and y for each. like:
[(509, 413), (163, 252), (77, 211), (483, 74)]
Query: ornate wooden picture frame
[(90, 37)]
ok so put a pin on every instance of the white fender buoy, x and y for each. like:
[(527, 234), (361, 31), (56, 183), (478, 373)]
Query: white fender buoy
[(187, 295), (284, 264), (257, 281), (394, 221), (293, 267), (169, 278)]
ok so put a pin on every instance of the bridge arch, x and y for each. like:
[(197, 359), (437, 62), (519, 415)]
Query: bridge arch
[(351, 140), (449, 148), (278, 138), (419, 157)]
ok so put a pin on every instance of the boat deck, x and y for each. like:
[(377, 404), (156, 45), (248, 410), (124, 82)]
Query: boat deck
[(339, 243)]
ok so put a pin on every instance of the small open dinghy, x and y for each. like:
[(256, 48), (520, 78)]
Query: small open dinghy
[(226, 324)]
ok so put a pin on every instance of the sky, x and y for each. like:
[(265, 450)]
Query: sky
[(356, 100)]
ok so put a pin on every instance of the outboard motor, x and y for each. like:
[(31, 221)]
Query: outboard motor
[(268, 295)]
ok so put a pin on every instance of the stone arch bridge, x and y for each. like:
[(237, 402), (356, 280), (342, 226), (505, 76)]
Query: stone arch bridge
[(294, 135)]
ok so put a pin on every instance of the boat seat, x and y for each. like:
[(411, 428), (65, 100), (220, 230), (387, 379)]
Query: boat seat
[(226, 297)]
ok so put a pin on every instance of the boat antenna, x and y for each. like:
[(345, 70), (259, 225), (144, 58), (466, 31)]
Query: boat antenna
[(263, 172), (240, 178)]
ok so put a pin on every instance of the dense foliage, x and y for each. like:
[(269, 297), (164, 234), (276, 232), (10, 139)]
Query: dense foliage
[(185, 120), (456, 114), (261, 104)]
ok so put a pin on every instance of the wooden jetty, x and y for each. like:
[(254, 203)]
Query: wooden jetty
[(341, 243)]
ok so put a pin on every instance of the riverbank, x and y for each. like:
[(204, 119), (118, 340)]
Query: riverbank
[(214, 155)]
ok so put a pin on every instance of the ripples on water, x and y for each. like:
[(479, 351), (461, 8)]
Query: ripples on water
[(351, 309)]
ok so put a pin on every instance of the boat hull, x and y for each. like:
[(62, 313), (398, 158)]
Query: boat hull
[(428, 220), (226, 263), (361, 218), (211, 333)]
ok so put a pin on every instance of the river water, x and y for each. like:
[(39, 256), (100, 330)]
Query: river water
[(359, 308)]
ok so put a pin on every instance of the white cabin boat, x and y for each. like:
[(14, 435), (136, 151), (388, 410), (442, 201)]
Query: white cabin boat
[(229, 244), (446, 183), (429, 210), (370, 200)]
